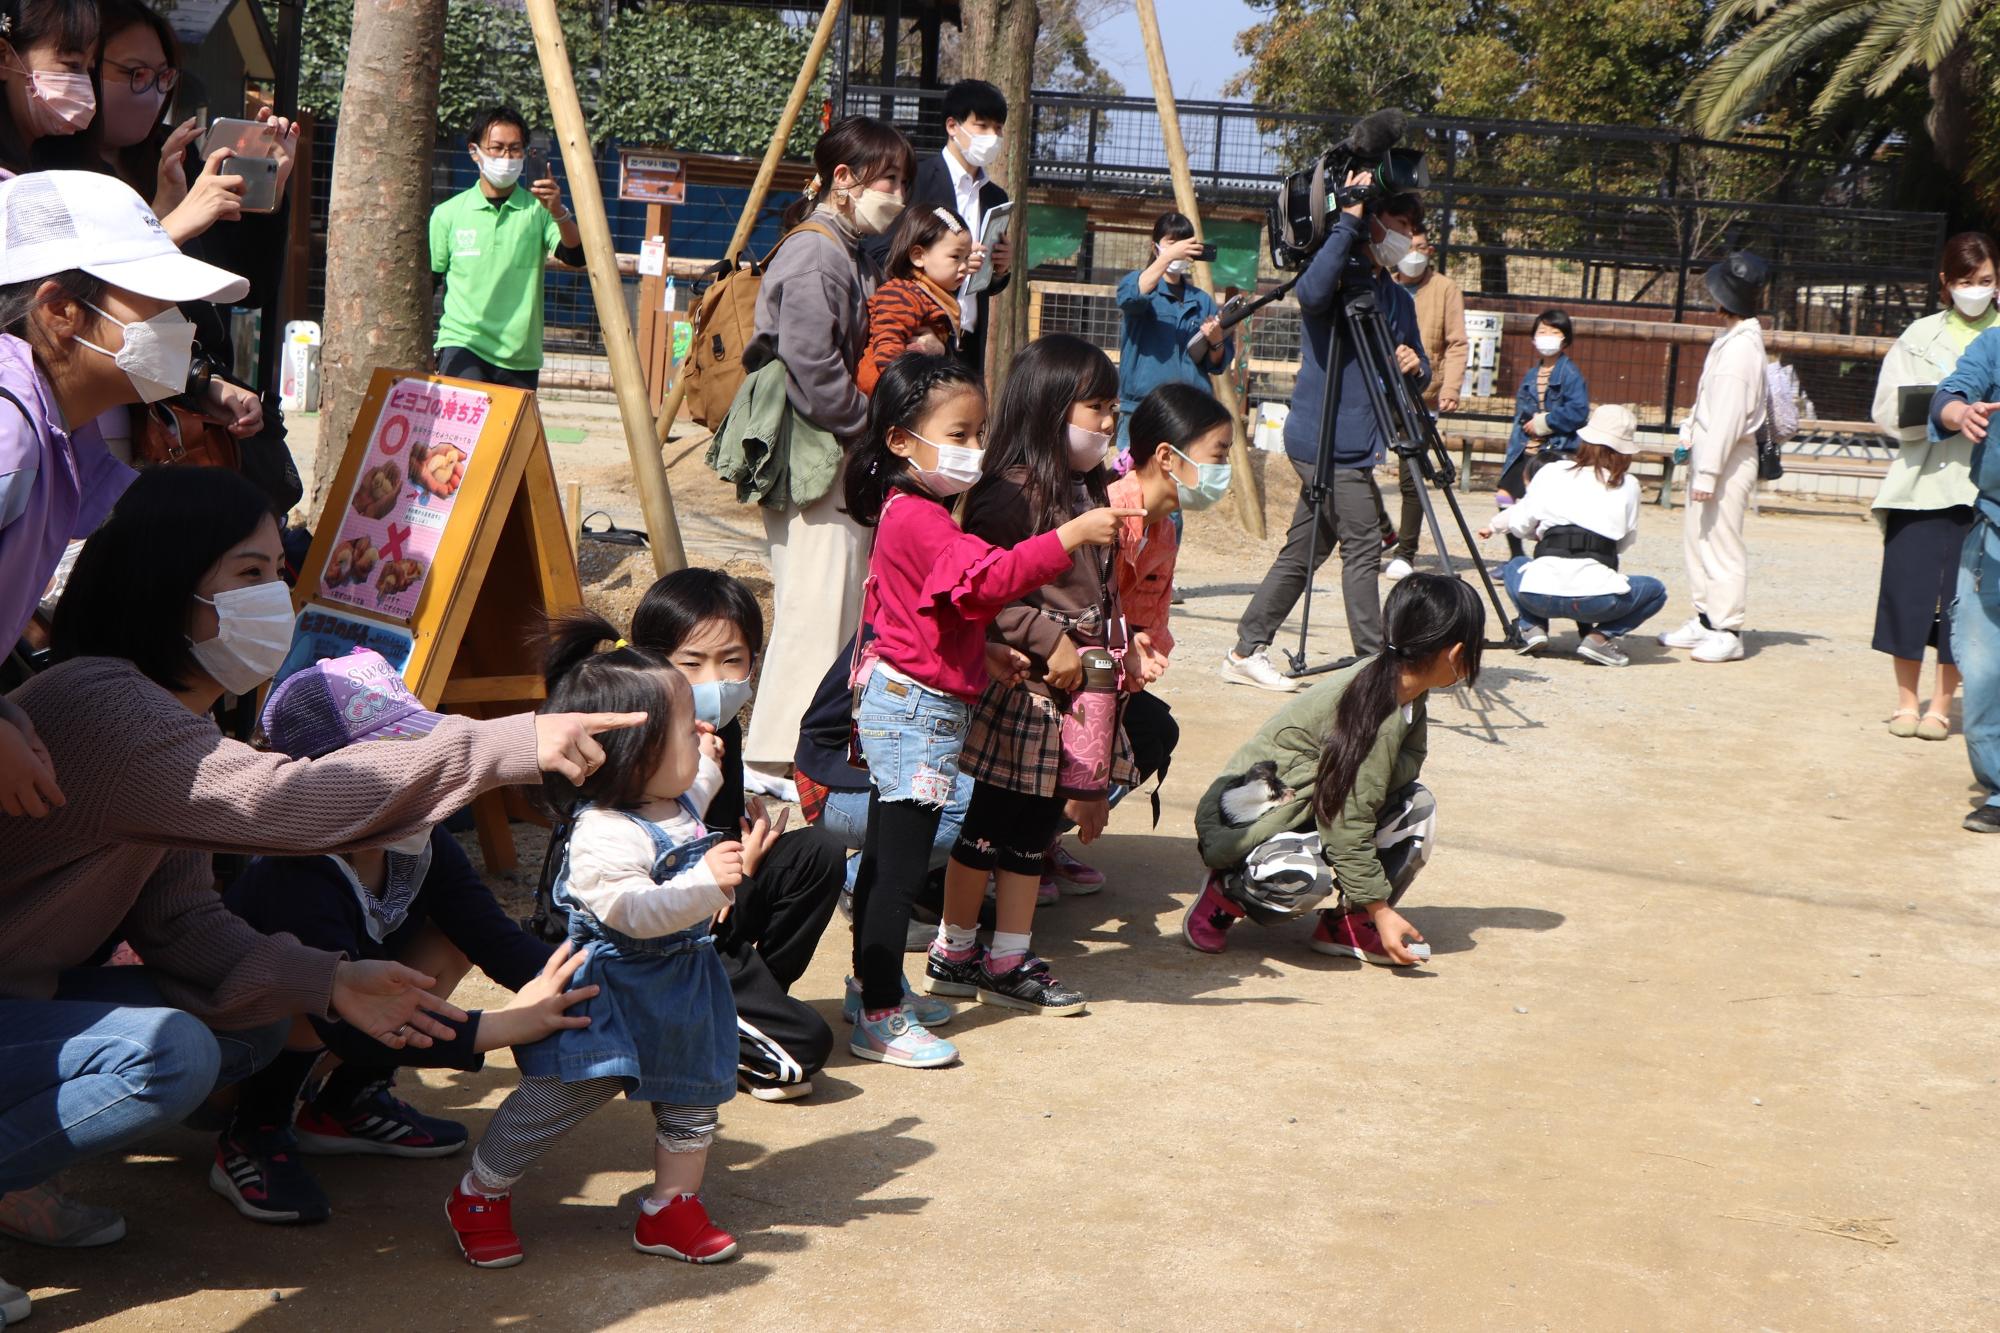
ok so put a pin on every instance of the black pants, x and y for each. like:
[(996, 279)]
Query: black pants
[(461, 364), (1007, 830), (895, 867), (765, 945)]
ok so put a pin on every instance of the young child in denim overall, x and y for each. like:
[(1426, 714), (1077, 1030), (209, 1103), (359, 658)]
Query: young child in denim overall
[(931, 592), (642, 879)]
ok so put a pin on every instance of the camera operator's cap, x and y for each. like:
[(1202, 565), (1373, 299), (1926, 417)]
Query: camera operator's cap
[(343, 701), (1613, 426), (55, 221), (1738, 281)]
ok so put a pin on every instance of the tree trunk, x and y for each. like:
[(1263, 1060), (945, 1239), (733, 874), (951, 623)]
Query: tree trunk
[(998, 45), (378, 273)]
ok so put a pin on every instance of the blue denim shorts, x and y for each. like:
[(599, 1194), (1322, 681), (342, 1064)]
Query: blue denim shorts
[(911, 737)]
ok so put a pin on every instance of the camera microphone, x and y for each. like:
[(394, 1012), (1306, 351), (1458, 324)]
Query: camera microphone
[(1379, 131)]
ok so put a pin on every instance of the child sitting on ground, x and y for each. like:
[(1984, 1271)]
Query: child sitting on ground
[(418, 902), (916, 309), (640, 879)]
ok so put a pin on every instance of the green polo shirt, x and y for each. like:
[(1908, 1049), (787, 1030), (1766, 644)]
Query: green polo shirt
[(492, 256)]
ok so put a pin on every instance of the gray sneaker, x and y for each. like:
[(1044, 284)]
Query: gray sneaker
[(14, 1304), (1604, 654), (1256, 669), (43, 1216)]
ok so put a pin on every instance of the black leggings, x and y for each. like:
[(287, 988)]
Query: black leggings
[(895, 862), (1007, 830)]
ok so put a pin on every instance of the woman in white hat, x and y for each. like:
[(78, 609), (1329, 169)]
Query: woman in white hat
[(1582, 513)]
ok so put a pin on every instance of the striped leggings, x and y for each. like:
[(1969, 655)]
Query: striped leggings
[(541, 1110)]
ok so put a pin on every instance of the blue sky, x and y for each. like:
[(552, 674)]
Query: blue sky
[(1200, 37)]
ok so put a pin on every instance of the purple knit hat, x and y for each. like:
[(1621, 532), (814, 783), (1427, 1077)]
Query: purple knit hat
[(343, 701)]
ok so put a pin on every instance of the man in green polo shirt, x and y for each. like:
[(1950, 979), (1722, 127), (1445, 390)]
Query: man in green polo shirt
[(489, 245)]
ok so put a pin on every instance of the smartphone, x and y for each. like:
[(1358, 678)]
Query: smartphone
[(253, 146), (536, 166), (1207, 255)]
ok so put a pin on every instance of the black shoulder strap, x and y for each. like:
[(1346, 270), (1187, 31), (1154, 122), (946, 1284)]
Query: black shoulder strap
[(9, 396)]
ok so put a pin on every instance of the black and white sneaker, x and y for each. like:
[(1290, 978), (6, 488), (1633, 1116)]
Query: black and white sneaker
[(378, 1123), (259, 1171), (942, 976), (1031, 989)]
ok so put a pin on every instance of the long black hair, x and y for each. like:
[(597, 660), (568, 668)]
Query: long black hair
[(627, 679), (132, 590), (1426, 615), (679, 603), (904, 393), (865, 146), (1031, 424)]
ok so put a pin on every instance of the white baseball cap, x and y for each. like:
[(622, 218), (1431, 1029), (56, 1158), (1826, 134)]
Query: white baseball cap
[(54, 221)]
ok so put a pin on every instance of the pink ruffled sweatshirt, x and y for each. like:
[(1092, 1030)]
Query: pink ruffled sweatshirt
[(935, 588)]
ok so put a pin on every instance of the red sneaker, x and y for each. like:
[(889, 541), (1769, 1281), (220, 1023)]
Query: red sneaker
[(1353, 935), (681, 1230), (1209, 917), (485, 1228)]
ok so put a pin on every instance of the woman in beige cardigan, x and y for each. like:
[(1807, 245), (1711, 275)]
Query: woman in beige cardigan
[(1925, 504)]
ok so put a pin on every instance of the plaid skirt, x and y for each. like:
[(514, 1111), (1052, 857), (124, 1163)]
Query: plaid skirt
[(1014, 742)]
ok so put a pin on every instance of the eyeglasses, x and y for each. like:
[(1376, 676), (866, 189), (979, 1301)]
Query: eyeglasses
[(145, 78), (509, 151)]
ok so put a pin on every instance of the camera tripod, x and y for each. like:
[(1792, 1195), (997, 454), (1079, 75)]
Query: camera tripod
[(1410, 433)]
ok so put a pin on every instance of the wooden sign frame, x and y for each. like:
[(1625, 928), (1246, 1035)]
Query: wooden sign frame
[(502, 563)]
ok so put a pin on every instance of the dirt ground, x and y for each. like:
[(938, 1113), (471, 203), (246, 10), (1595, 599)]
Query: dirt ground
[(1707, 1042)]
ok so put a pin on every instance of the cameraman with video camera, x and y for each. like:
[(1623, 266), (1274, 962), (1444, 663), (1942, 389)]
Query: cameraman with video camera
[(1351, 515)]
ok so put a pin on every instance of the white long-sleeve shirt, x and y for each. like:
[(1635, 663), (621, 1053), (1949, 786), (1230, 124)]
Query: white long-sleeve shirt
[(1729, 404), (611, 868), (1566, 494)]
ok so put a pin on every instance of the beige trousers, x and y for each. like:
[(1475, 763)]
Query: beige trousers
[(819, 559), (1718, 563)]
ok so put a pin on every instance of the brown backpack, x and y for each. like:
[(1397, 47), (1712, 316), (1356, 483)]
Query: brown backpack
[(725, 321)]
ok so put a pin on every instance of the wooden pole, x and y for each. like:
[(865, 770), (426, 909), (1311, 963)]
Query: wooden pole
[(1249, 495), (761, 186), (607, 288)]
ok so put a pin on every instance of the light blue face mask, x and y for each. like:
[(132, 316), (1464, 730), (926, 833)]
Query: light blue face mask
[(1211, 483), (717, 702)]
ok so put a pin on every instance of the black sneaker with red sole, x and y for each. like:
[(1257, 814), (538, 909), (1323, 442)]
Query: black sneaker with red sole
[(378, 1123), (259, 1171)]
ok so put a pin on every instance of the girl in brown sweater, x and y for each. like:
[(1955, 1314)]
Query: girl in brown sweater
[(175, 601)]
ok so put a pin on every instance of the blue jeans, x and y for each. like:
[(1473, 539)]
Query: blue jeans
[(104, 1064), (1975, 642), (846, 818), (1609, 614)]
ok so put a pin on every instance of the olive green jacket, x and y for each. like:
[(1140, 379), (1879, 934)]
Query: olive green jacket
[(1292, 739)]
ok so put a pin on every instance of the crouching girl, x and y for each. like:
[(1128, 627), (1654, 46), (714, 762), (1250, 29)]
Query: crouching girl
[(1325, 801)]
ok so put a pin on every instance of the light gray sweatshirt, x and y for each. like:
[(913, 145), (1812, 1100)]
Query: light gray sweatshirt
[(812, 311)]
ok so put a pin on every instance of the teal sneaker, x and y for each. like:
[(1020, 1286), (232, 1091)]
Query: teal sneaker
[(896, 1040), (922, 1009)]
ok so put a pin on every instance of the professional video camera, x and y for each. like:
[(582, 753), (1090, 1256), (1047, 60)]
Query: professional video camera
[(1310, 198)]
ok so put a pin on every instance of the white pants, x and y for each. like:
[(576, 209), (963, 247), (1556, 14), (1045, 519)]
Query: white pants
[(1718, 562), (819, 559)]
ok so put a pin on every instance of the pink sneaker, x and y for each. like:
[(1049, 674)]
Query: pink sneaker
[(1072, 876), (1353, 935), (1209, 917), (1046, 892)]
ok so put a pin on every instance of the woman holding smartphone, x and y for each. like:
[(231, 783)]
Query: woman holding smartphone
[(1163, 311)]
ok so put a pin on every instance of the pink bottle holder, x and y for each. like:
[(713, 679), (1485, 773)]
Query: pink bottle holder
[(1090, 729)]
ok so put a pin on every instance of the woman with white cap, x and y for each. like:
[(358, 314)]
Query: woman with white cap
[(1582, 512)]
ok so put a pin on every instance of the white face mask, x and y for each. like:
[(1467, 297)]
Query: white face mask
[(500, 172), (1086, 448), (1548, 344), (875, 211), (414, 845), (1389, 251), (1972, 302), (156, 354), (253, 634), (977, 150), (1178, 268), (1413, 264), (956, 471)]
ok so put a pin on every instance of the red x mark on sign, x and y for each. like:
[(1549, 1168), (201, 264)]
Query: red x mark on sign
[(392, 545)]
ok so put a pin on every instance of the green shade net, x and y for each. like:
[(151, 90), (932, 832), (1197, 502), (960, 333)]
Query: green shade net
[(1236, 246), (1055, 235)]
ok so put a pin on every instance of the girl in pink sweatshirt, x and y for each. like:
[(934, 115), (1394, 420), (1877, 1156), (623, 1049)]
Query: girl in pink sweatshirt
[(921, 661)]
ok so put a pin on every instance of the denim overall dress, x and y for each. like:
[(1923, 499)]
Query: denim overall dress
[(664, 1019)]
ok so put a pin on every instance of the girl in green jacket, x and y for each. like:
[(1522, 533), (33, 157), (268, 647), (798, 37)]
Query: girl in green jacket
[(1325, 798)]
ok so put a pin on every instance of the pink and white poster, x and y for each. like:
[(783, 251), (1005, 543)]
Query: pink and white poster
[(409, 479)]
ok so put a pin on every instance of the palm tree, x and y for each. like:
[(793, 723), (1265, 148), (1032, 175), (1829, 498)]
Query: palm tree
[(1883, 41)]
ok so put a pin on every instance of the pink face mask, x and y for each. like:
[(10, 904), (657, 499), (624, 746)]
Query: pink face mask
[(59, 103)]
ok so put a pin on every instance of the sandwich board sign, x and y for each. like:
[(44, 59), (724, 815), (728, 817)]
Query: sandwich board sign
[(443, 547)]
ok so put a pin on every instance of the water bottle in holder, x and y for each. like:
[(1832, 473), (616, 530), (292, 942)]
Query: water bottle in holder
[(1090, 728)]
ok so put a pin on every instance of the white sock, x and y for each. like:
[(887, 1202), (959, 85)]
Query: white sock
[(653, 1207), (1006, 946), (957, 939), (472, 1184)]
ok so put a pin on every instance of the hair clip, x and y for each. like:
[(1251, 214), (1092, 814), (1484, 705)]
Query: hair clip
[(6, 25), (620, 644), (944, 215), (813, 187)]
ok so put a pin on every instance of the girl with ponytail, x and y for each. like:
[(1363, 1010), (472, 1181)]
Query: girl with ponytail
[(1325, 800), (640, 879), (932, 590)]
